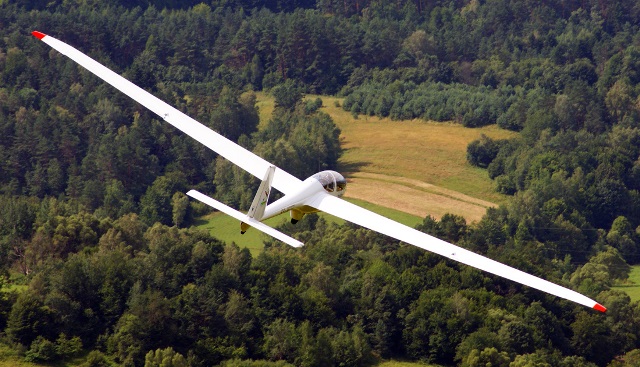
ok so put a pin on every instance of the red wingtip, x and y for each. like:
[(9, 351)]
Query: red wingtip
[(38, 35), (600, 307)]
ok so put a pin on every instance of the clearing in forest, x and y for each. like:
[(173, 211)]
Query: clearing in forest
[(414, 166)]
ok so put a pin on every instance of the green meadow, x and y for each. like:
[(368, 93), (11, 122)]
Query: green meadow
[(632, 286)]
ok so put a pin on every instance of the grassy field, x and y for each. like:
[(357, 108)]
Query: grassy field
[(430, 153), (414, 196), (227, 229), (633, 287)]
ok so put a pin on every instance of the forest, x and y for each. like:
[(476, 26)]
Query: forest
[(99, 261)]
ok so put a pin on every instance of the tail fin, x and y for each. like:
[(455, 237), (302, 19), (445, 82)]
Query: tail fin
[(262, 196), (244, 218)]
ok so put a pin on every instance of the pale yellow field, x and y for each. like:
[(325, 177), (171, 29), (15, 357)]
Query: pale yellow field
[(414, 196), (265, 107), (414, 166)]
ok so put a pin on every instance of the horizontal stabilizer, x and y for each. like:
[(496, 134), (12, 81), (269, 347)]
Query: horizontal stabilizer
[(244, 218)]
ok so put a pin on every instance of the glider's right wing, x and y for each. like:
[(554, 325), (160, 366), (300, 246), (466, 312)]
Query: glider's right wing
[(355, 214), (282, 180)]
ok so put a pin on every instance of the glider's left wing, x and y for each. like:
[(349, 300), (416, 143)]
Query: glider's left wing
[(282, 180), (355, 214)]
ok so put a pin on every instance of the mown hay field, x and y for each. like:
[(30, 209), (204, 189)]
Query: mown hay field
[(415, 166)]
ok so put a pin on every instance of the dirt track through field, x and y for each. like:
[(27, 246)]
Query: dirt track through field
[(414, 196)]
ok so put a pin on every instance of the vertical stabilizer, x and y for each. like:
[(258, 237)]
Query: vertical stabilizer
[(262, 196)]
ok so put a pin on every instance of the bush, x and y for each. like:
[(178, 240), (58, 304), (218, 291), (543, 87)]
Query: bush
[(312, 106), (42, 350), (505, 185), (481, 152), (96, 359), (164, 358), (68, 347), (288, 94)]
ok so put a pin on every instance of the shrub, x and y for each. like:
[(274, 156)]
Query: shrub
[(42, 350), (481, 152)]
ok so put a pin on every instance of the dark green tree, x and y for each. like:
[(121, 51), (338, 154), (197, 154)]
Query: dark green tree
[(287, 95), (29, 319)]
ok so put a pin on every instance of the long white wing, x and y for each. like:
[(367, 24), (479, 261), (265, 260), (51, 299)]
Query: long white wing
[(355, 214), (282, 180)]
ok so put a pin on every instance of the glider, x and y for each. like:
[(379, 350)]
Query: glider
[(320, 192)]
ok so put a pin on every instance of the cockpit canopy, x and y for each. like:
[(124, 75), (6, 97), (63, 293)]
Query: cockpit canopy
[(332, 181)]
